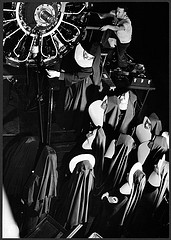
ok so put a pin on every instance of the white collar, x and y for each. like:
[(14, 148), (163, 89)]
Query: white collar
[(80, 59)]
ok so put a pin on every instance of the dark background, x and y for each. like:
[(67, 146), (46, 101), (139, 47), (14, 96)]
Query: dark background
[(149, 46)]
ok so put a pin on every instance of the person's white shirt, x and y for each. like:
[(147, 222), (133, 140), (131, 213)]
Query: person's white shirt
[(125, 35)]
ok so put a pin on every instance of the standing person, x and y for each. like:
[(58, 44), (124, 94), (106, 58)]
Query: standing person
[(80, 71), (122, 32)]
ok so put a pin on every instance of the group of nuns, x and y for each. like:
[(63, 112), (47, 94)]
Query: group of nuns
[(116, 179)]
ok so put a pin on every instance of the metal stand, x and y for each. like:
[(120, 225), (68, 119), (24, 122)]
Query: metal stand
[(39, 108), (49, 121)]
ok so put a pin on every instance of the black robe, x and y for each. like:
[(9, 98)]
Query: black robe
[(40, 189), (75, 196), (81, 88)]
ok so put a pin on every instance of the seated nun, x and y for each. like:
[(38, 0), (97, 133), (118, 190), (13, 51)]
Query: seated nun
[(152, 212), (116, 161), (75, 193), (96, 112), (120, 113), (151, 147), (119, 203), (159, 177)]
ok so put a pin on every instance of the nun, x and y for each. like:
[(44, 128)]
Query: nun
[(81, 76), (120, 112), (119, 204), (75, 193)]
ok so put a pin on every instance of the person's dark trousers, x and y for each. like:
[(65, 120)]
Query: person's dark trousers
[(121, 50), (111, 56)]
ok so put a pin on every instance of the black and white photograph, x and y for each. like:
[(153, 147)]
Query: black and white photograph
[(85, 114)]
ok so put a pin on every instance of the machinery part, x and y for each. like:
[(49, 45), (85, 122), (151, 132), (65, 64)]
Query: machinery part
[(49, 29)]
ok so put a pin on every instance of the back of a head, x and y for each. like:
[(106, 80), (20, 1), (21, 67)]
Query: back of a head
[(89, 46), (85, 53)]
